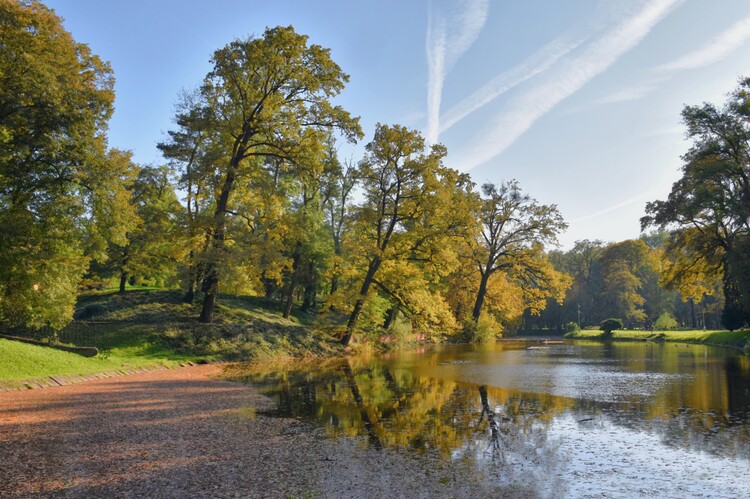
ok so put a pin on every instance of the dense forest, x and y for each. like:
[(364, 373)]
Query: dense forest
[(252, 198)]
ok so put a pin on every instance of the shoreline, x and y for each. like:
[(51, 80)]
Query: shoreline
[(185, 432), (741, 340)]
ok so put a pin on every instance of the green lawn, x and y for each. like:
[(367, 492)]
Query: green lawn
[(24, 361), (715, 337), (144, 327)]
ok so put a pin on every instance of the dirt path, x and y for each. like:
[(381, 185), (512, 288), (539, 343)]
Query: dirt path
[(184, 433)]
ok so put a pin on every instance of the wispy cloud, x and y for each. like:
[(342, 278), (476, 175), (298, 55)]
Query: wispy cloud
[(715, 50), (615, 207), (450, 32), (537, 63), (634, 92), (568, 76)]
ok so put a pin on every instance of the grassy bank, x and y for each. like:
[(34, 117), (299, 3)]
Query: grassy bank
[(734, 339), (24, 361), (147, 327)]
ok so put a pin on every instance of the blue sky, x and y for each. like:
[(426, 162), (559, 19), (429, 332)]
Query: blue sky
[(579, 100)]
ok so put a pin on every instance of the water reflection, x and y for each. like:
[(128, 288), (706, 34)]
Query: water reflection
[(548, 416)]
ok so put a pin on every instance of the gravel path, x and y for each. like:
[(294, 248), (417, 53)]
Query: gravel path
[(185, 433)]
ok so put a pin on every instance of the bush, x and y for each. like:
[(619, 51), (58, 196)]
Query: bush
[(486, 329), (571, 328), (666, 322), (609, 325)]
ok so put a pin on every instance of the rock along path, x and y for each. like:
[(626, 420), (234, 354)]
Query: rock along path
[(185, 433)]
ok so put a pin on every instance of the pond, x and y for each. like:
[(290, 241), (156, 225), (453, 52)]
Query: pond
[(576, 419)]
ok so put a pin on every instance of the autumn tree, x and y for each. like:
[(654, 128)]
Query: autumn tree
[(514, 229), (265, 98), (708, 209), (55, 190), (192, 156), (338, 182), (626, 267), (155, 243), (412, 206)]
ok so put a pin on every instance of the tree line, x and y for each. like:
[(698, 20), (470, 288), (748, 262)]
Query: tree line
[(253, 198)]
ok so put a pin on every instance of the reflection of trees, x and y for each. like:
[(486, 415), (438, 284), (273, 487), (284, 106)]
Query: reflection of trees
[(407, 407), (704, 405), (366, 421), (493, 424), (395, 407)]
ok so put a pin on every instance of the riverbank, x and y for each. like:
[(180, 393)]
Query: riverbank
[(733, 339), (148, 329), (185, 432), (153, 329)]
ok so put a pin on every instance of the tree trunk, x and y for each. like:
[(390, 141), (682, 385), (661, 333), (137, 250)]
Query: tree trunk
[(123, 266), (309, 298), (480, 296), (123, 280), (189, 295), (211, 286), (211, 282), (354, 317), (292, 285), (390, 317)]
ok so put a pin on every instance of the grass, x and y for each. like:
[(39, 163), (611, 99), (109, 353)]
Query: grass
[(146, 327), (24, 361), (736, 339)]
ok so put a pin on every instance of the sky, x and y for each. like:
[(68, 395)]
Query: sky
[(578, 100)]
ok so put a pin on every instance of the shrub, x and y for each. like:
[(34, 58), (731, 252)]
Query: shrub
[(571, 328), (486, 329), (666, 322), (609, 325)]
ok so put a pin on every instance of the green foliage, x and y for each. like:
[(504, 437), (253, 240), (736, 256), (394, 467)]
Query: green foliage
[(484, 330), (57, 190), (406, 230), (514, 227), (709, 206), (625, 268), (264, 103), (666, 322), (571, 328), (609, 325)]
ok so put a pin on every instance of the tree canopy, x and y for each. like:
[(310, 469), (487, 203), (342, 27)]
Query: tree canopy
[(708, 209), (253, 199), (55, 182)]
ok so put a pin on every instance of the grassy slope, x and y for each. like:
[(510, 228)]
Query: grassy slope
[(736, 339), (149, 327), (24, 361)]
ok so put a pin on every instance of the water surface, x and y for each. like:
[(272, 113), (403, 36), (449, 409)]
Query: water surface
[(583, 419)]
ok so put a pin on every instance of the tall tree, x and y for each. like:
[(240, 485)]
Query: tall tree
[(337, 186), (708, 208), (55, 100), (156, 243), (514, 229), (266, 97), (191, 154), (411, 204)]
